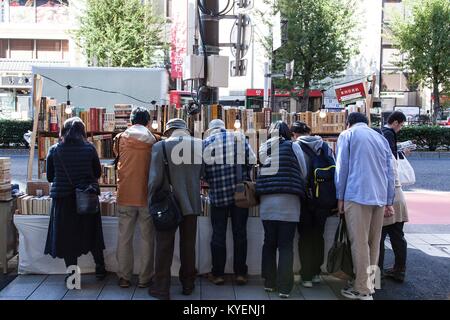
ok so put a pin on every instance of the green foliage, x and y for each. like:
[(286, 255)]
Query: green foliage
[(423, 39), (320, 38), (120, 33), (426, 137), (12, 131)]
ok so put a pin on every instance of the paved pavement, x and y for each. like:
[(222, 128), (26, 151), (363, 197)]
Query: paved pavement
[(427, 233)]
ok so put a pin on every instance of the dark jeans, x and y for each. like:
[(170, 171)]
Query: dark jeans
[(219, 221), (165, 241), (278, 235), (310, 242), (98, 258), (399, 245)]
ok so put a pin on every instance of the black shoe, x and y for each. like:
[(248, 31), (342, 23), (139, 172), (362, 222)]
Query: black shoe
[(395, 274), (100, 272), (187, 291)]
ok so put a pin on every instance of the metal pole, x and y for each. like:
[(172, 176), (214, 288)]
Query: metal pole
[(266, 85), (210, 27)]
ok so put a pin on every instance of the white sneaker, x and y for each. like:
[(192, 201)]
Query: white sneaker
[(269, 289), (355, 295), (307, 284), (283, 295), (316, 279)]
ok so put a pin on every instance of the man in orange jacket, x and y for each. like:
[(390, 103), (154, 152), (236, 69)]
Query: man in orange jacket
[(133, 148)]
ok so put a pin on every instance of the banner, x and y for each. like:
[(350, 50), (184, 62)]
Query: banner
[(179, 36)]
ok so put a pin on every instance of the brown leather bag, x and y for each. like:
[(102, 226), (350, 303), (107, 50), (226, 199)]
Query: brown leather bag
[(245, 195)]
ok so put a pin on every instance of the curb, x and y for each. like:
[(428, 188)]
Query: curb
[(430, 155)]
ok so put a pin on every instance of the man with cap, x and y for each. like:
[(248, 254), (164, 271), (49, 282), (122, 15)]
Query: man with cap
[(184, 156), (227, 157)]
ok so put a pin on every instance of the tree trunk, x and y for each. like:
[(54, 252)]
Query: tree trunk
[(436, 103), (305, 97)]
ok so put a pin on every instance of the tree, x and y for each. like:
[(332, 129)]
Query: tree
[(423, 37), (120, 33), (321, 39)]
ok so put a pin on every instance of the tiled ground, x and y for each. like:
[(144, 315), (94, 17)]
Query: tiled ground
[(52, 287)]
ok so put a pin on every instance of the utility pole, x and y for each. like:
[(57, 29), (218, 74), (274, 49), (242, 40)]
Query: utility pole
[(210, 46)]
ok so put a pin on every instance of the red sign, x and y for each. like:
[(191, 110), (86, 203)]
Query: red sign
[(178, 38), (349, 92), (281, 93)]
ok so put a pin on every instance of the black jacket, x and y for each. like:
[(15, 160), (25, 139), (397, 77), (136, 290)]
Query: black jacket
[(391, 137), (82, 164)]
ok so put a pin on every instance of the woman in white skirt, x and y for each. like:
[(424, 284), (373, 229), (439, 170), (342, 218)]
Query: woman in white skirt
[(393, 226)]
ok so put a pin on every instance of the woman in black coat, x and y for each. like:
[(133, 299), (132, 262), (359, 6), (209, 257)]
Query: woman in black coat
[(71, 235)]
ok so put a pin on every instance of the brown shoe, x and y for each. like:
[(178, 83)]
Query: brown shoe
[(124, 283), (218, 281), (241, 280)]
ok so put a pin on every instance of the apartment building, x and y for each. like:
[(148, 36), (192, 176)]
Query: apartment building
[(32, 33)]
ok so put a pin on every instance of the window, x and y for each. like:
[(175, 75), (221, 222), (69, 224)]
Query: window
[(394, 82), (65, 50), (3, 48), (21, 49), (48, 49)]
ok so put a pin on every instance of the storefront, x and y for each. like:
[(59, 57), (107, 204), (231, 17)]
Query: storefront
[(15, 96), (283, 100)]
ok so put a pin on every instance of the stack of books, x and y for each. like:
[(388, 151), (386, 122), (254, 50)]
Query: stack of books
[(5, 178), (108, 205), (34, 205), (108, 174), (122, 114), (44, 144), (104, 145)]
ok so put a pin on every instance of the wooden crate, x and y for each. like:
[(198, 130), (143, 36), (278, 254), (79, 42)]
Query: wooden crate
[(306, 117), (333, 123)]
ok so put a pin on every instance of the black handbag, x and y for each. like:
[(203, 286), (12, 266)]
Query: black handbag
[(339, 262), (164, 207), (86, 199)]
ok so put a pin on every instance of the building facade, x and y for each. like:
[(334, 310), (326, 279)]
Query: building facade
[(32, 33)]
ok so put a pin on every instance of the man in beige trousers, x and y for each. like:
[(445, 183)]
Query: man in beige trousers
[(134, 147), (365, 187)]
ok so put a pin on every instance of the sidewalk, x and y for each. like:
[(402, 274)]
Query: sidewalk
[(52, 287)]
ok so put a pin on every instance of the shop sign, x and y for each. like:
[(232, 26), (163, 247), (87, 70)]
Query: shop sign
[(350, 92), (392, 94)]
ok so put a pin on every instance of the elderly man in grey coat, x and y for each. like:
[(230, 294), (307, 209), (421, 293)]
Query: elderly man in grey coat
[(184, 156)]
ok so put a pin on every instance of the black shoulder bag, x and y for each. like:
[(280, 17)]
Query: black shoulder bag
[(87, 202), (164, 207)]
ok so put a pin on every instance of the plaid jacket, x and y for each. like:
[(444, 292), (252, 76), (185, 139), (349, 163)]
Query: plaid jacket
[(222, 149)]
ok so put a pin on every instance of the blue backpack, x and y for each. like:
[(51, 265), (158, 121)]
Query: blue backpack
[(320, 185)]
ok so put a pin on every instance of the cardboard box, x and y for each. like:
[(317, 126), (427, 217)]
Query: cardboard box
[(34, 186)]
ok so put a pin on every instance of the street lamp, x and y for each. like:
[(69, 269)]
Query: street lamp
[(322, 113)]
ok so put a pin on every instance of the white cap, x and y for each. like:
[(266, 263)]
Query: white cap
[(216, 124)]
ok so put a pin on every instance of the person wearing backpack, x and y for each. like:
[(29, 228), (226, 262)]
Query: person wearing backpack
[(319, 204)]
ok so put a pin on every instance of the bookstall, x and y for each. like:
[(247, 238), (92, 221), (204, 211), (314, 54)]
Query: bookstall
[(102, 125)]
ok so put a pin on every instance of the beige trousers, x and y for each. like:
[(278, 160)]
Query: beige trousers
[(364, 224), (128, 216)]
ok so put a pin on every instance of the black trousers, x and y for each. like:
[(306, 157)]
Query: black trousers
[(165, 245), (219, 221), (310, 242), (399, 245), (278, 235), (97, 254)]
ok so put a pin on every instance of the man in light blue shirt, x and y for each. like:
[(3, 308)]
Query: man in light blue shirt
[(364, 187)]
